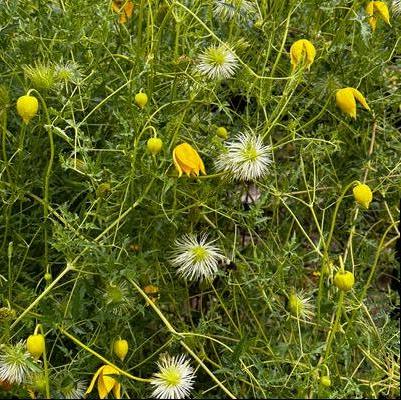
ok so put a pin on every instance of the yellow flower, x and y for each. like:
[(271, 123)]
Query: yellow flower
[(344, 280), (105, 382), (363, 195), (186, 159), (27, 107), (154, 145), (152, 292), (123, 8), (120, 348), (345, 100), (375, 8), (35, 344), (325, 381), (141, 99), (300, 50)]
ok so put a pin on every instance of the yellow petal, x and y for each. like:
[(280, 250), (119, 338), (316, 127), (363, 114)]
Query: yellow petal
[(302, 48), (370, 8), (381, 8), (128, 8), (296, 53), (187, 169), (108, 380), (345, 100), (202, 166), (115, 7), (310, 52), (101, 388), (359, 97), (92, 384), (117, 391), (370, 11), (177, 165), (187, 155)]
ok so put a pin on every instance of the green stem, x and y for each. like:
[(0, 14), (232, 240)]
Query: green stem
[(139, 31), (335, 326), (46, 180), (10, 277), (325, 259), (155, 308), (67, 269), (45, 363), (100, 357), (207, 370)]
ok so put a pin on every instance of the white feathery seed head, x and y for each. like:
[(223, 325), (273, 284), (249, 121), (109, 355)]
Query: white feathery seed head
[(246, 157), (229, 9), (175, 378), (396, 7), (217, 62), (74, 390), (196, 258), (16, 364)]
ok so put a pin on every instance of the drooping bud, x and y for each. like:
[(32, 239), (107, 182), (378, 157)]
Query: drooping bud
[(35, 344), (120, 348), (154, 145)]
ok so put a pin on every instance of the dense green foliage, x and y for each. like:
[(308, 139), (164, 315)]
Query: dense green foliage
[(83, 200)]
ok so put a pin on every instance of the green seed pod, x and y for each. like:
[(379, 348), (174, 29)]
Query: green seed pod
[(222, 132), (103, 189)]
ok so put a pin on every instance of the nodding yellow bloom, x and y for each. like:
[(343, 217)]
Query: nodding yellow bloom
[(105, 382), (345, 100), (363, 195), (141, 99), (35, 344), (154, 145), (120, 348), (27, 107), (186, 159), (123, 8), (302, 50), (377, 8), (344, 280), (152, 292)]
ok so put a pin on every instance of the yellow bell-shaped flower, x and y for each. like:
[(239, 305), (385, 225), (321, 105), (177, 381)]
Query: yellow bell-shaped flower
[(123, 8), (345, 100), (120, 348), (35, 344), (186, 159), (302, 50), (154, 145), (105, 382), (27, 107), (377, 8), (141, 99), (363, 195), (344, 280)]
